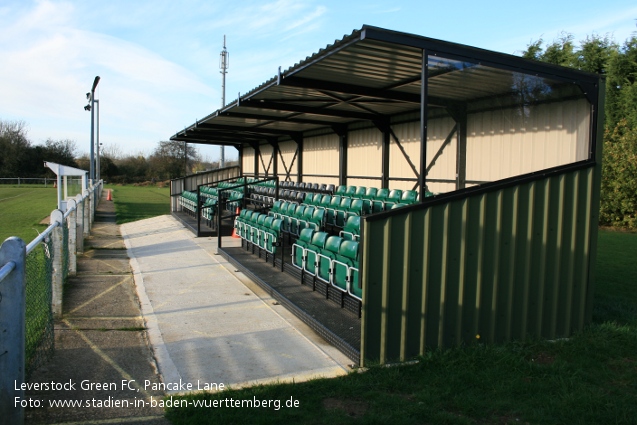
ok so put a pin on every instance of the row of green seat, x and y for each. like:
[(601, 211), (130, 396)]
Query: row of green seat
[(296, 217), (188, 201), (330, 259), (259, 229), (371, 199)]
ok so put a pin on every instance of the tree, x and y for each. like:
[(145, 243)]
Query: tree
[(172, 159), (61, 151), (14, 146), (603, 56), (561, 52), (619, 182)]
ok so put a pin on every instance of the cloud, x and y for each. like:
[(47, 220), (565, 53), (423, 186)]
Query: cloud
[(48, 63)]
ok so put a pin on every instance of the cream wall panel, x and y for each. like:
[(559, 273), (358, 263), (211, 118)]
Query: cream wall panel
[(363, 182), (265, 164), (511, 142), (409, 136), (248, 161), (320, 156), (288, 151), (364, 153)]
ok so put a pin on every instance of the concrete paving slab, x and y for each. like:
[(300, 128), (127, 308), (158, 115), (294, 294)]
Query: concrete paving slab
[(100, 339), (207, 323), (101, 295)]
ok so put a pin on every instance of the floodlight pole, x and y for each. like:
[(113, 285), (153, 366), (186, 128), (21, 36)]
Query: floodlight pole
[(97, 142), (92, 150), (223, 64)]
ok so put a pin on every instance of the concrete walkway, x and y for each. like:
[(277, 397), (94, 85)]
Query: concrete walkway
[(100, 339), (152, 311), (208, 324)]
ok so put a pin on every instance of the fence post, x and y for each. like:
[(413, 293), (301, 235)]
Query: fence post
[(79, 222), (92, 204), (12, 329), (57, 280), (71, 223), (87, 211)]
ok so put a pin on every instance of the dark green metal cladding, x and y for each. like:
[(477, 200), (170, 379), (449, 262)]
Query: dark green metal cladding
[(504, 264)]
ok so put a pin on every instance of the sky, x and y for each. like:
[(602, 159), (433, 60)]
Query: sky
[(159, 60)]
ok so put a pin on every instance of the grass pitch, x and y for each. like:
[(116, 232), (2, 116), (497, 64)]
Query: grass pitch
[(22, 208)]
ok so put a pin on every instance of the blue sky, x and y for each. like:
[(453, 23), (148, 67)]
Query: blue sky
[(159, 60)]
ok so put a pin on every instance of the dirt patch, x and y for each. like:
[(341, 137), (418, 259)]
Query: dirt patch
[(352, 408)]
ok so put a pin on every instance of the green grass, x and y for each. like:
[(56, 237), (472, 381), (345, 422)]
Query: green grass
[(23, 208), (590, 378), (134, 203)]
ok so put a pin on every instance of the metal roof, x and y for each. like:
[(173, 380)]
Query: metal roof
[(369, 75)]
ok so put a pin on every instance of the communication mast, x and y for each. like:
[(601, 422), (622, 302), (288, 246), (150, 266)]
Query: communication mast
[(224, 63)]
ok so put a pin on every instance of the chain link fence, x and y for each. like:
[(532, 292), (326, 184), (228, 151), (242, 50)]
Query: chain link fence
[(48, 260), (39, 314)]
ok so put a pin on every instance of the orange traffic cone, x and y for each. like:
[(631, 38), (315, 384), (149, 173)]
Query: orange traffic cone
[(234, 229), (109, 195)]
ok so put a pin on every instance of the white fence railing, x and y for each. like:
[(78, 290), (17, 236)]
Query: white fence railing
[(63, 240)]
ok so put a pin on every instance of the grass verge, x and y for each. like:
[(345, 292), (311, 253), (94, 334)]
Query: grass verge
[(22, 208), (589, 378), (134, 203)]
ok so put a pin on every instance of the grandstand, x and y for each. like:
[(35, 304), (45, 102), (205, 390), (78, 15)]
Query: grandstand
[(400, 193)]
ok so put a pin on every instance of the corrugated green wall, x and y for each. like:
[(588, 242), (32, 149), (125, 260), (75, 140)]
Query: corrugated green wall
[(509, 263)]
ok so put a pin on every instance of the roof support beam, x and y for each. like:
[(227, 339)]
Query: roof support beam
[(424, 77), (309, 110), (265, 132), (274, 158), (287, 118), (384, 127), (344, 88), (341, 131), (459, 114)]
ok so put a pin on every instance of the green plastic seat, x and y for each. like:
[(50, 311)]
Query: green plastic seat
[(272, 235), (378, 203), (326, 256), (342, 265), (299, 247), (313, 250), (392, 199), (305, 220), (317, 219), (409, 197), (330, 217), (341, 212), (360, 192), (350, 191), (351, 230), (325, 201), (356, 208)]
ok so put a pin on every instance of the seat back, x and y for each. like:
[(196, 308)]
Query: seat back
[(350, 191), (325, 201), (360, 192), (370, 193), (309, 199), (317, 218), (333, 244), (409, 197)]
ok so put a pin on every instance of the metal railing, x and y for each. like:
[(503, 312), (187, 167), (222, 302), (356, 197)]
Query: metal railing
[(31, 288)]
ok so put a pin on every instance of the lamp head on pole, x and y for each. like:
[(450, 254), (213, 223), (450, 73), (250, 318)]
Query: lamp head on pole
[(95, 82)]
